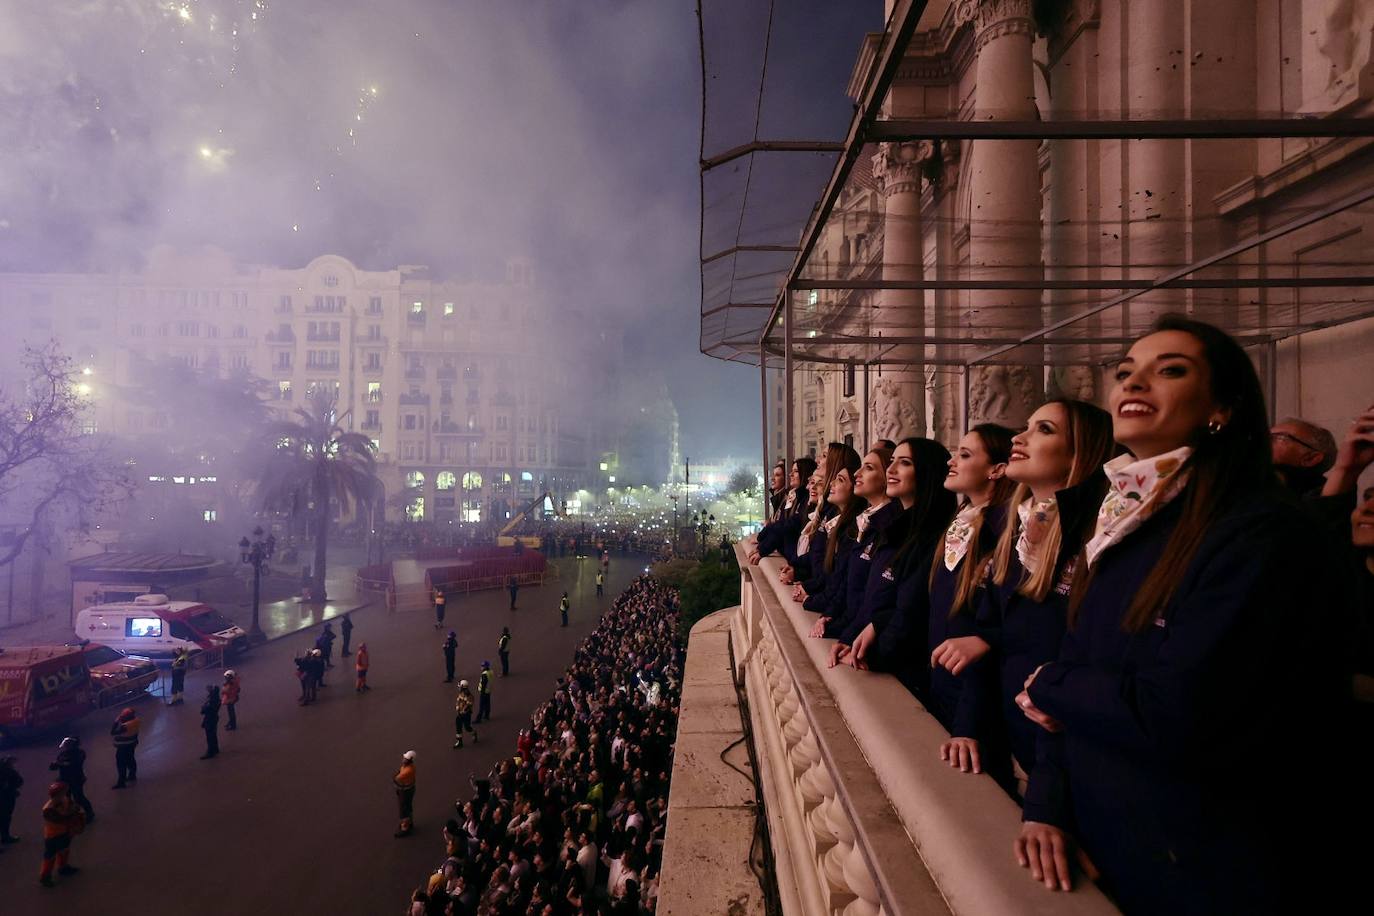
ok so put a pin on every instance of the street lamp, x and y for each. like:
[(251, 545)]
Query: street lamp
[(256, 554), (673, 497), (704, 523)]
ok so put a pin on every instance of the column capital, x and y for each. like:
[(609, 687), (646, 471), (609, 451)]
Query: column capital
[(899, 167), (993, 19)]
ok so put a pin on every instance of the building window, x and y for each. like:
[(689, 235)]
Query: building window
[(210, 515), (374, 361), (500, 453), (374, 305), (446, 480), (284, 359), (374, 332), (284, 390), (374, 392), (417, 308), (472, 481), (372, 419), (284, 304), (240, 331), (409, 421), (331, 281), (322, 359), (238, 361), (135, 330), (448, 309), (502, 421), (188, 329)]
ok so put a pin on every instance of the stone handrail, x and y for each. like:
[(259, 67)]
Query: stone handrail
[(864, 817)]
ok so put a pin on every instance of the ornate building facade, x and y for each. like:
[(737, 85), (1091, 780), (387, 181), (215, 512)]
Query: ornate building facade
[(1087, 211)]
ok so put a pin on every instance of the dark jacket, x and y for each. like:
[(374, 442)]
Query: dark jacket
[(828, 601), (70, 766), (1191, 785), (780, 537), (860, 565)]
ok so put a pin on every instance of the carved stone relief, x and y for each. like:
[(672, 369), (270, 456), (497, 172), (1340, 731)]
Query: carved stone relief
[(1001, 394), (1345, 34), (893, 413)]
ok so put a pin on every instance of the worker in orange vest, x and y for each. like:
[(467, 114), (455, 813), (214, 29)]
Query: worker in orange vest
[(360, 663), (404, 780), (229, 698), (62, 820)]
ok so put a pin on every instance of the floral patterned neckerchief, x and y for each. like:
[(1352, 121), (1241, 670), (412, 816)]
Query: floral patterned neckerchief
[(1035, 516), (1136, 490), (863, 518), (958, 535)]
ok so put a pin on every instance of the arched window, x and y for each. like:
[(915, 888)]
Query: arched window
[(446, 480), (415, 480), (472, 481)]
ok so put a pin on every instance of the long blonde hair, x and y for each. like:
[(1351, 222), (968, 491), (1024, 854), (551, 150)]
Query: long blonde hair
[(1089, 431)]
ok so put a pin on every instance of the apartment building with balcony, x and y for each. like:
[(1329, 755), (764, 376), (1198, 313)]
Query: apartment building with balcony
[(462, 386)]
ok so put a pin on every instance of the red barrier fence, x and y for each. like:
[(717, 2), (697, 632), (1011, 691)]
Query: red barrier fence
[(528, 568)]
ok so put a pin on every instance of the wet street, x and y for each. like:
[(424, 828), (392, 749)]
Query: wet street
[(296, 814)]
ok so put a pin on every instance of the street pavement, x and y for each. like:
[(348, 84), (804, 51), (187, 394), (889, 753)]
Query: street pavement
[(296, 814)]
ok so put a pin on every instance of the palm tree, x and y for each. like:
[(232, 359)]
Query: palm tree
[(312, 460)]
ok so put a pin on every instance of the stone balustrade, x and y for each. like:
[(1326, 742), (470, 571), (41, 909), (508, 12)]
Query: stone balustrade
[(864, 818)]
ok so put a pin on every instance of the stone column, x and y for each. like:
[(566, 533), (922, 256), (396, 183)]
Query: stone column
[(897, 398), (1004, 206)]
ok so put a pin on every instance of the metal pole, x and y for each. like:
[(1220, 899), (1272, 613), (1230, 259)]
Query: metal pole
[(763, 406), (867, 441), (966, 371), (787, 377), (1271, 378)]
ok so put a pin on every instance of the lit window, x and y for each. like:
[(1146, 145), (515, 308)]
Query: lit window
[(448, 308), (604, 466), (415, 479), (526, 476), (209, 480), (611, 478), (376, 445), (416, 308), (157, 479), (446, 480), (178, 480), (210, 515)]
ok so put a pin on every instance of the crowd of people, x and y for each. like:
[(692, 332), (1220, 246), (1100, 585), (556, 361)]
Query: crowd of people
[(1150, 624), (573, 822)]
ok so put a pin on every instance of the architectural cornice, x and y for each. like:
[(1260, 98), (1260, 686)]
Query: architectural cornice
[(994, 19)]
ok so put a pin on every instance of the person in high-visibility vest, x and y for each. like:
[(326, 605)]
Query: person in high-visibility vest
[(600, 581), (125, 733), (179, 663), (462, 715), (62, 820), (503, 650), (563, 606), (484, 693), (360, 663), (229, 698), (404, 781), (439, 603)]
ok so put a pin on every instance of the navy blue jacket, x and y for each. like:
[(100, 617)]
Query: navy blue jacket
[(858, 570), (780, 537), (828, 601), (1192, 785)]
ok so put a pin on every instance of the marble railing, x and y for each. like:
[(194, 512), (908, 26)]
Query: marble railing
[(864, 818)]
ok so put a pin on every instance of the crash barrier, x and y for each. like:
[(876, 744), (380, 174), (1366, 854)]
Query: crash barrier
[(472, 552), (527, 568), (376, 578), (863, 817)]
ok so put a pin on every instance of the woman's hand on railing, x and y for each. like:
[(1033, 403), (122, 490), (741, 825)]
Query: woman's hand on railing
[(954, 655), (859, 657), (754, 556), (818, 629), (798, 593), (1044, 849), (838, 653), (786, 576), (962, 754)]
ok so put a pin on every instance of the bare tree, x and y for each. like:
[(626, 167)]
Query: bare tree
[(50, 461)]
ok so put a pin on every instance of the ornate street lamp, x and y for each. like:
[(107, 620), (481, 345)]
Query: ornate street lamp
[(256, 554)]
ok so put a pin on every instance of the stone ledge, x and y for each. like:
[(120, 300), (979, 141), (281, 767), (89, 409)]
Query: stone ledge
[(711, 811)]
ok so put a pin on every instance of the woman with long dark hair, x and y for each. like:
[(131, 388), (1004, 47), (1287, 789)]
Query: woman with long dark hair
[(870, 485), (780, 535), (1195, 661), (810, 552), (842, 508), (915, 481), (1022, 611)]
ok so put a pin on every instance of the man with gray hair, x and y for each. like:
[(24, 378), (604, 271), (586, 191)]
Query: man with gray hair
[(1303, 453)]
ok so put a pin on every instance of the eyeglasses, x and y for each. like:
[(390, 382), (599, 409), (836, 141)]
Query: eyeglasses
[(1289, 437)]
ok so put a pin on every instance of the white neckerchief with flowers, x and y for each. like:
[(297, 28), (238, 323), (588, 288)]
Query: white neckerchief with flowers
[(1034, 516), (958, 535), (1136, 490), (864, 517), (812, 522)]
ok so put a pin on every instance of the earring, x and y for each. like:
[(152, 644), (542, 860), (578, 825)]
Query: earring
[(1214, 427)]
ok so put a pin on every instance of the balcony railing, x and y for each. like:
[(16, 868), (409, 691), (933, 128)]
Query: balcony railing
[(457, 429), (371, 425), (446, 372), (281, 335), (415, 317), (863, 815), (330, 336), (415, 372), (409, 398)]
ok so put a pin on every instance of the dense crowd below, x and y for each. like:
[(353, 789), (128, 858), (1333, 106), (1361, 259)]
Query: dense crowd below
[(573, 822), (1150, 624)]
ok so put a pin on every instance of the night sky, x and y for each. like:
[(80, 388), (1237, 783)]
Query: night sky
[(452, 133)]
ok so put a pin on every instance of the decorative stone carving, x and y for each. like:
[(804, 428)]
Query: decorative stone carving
[(892, 412), (847, 419), (897, 167), (993, 19), (1345, 39), (1001, 394), (1077, 382)]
